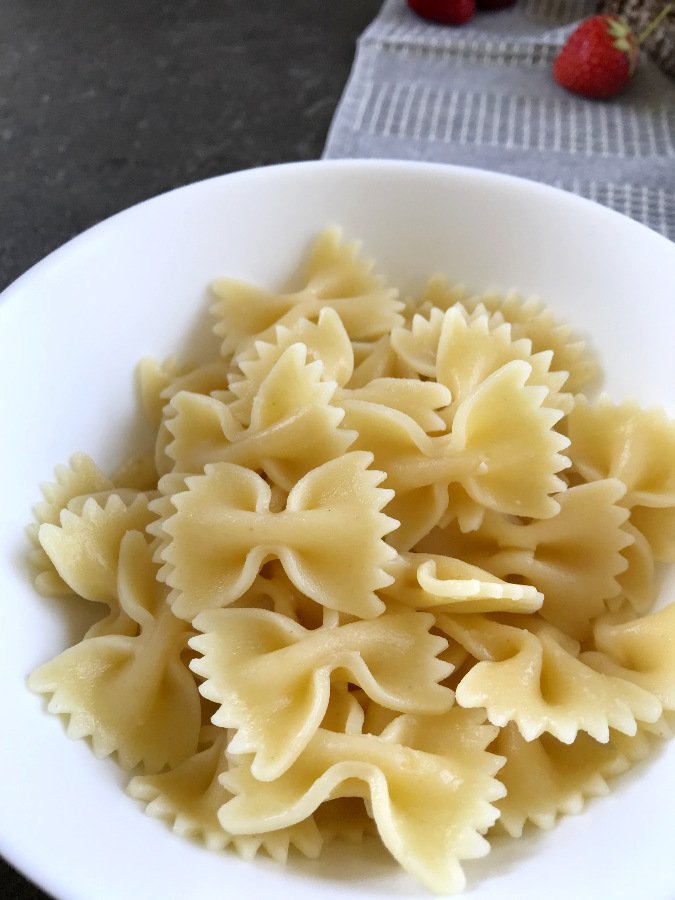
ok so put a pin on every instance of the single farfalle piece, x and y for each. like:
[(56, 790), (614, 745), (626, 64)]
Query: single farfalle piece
[(545, 778), (469, 350), (440, 293), (506, 428), (329, 538), (574, 558), (460, 352), (293, 426), (335, 275), (530, 319), (648, 738), (81, 477), (624, 441), (152, 377), (326, 341), (494, 430), (244, 651), (444, 584), (428, 782), (137, 472), (416, 343), (132, 694), (189, 796), (535, 679), (640, 650), (636, 446), (85, 547)]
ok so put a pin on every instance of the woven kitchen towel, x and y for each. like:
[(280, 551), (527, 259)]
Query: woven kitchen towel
[(483, 95)]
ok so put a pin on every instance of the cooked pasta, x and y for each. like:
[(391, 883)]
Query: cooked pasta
[(386, 570)]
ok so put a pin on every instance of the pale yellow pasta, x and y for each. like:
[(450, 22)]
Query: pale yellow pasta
[(469, 351), (460, 352), (131, 693), (638, 582), (190, 795), (377, 359), (429, 782), (575, 558), (244, 651), (158, 383), (641, 651), (531, 319), (635, 445), (84, 548), (293, 426), (537, 680), (335, 276), (419, 400), (152, 378), (80, 478), (658, 527), (545, 778), (444, 584), (223, 531), (438, 293), (417, 343), (326, 341), (137, 473), (345, 818), (496, 425), (383, 570)]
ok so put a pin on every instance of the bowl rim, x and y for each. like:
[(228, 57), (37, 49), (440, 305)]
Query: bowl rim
[(99, 229), (18, 856)]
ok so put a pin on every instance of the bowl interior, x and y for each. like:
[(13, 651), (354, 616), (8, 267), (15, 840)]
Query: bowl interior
[(71, 332)]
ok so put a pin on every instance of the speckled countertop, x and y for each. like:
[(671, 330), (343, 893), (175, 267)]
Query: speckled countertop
[(103, 104)]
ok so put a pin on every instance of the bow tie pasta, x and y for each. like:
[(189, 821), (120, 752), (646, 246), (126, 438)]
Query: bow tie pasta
[(386, 571)]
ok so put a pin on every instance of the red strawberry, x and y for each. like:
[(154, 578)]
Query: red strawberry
[(494, 4), (599, 58), (449, 12)]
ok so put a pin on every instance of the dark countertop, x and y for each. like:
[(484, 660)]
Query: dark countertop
[(103, 104)]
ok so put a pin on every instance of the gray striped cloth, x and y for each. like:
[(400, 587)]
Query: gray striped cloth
[(483, 95)]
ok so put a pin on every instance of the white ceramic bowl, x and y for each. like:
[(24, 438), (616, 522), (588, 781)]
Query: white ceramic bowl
[(71, 332)]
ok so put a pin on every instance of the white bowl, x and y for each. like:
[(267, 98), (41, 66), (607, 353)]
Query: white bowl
[(71, 332)]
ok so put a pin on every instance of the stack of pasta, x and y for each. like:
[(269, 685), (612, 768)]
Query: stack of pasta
[(386, 570)]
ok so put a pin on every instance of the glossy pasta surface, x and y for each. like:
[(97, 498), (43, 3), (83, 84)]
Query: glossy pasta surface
[(388, 570)]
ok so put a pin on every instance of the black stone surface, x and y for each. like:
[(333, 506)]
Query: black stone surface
[(104, 103), (107, 102)]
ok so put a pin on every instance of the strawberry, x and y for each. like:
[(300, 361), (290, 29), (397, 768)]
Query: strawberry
[(599, 58), (449, 12)]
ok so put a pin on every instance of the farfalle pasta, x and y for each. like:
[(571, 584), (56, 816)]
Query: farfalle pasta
[(243, 651), (384, 571)]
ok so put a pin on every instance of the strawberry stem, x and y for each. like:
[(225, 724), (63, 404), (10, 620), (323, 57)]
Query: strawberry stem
[(655, 23)]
